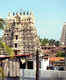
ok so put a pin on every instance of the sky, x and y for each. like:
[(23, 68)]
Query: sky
[(50, 15)]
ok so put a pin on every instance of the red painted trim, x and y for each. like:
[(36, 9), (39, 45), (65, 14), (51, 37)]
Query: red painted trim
[(20, 55)]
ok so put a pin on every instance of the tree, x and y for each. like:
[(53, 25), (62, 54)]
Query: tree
[(44, 41), (51, 42), (57, 43), (60, 54), (2, 24)]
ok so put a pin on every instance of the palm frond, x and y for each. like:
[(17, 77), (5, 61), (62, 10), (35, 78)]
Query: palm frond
[(2, 23), (7, 48), (2, 73)]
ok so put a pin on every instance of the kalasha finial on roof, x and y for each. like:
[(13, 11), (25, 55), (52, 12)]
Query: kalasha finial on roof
[(31, 13), (21, 10), (24, 13), (13, 13), (27, 12), (20, 13), (9, 14), (16, 13)]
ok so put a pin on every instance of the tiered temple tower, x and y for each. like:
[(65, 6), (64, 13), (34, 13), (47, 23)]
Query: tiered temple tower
[(63, 40), (20, 33), (63, 36)]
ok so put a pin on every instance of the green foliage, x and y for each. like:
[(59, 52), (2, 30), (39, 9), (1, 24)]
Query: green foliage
[(8, 50), (50, 42), (57, 43), (2, 24), (60, 54), (1, 73), (44, 41)]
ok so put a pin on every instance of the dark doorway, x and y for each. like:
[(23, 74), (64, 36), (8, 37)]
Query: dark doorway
[(22, 65), (30, 64), (15, 45)]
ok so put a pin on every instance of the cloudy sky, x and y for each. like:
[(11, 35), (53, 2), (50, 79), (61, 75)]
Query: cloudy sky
[(50, 15)]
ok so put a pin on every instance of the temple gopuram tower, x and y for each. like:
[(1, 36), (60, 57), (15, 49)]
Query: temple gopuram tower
[(63, 36), (21, 34)]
